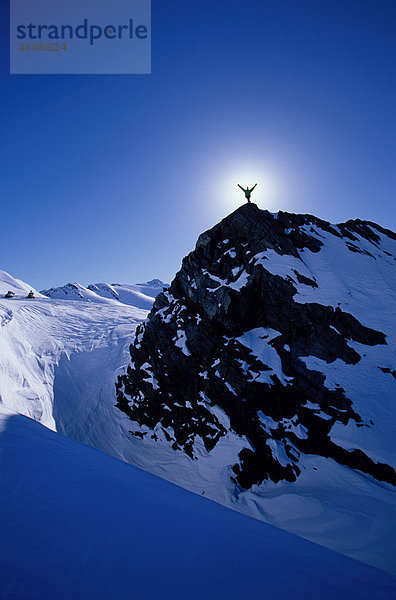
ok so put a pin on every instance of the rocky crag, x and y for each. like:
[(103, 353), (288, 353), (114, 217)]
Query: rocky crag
[(275, 329)]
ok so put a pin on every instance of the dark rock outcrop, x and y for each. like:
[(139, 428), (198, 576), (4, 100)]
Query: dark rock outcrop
[(230, 333)]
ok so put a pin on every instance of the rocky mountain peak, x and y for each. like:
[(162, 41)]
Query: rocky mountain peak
[(241, 342)]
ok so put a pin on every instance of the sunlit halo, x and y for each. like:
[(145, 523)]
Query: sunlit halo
[(265, 195)]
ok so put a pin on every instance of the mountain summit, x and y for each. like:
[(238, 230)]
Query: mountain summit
[(270, 358)]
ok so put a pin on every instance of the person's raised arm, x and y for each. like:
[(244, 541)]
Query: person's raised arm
[(241, 187), (253, 187)]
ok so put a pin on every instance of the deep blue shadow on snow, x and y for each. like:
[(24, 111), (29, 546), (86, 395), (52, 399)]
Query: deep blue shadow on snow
[(77, 523)]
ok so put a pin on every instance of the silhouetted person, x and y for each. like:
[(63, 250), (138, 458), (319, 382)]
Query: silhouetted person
[(247, 191)]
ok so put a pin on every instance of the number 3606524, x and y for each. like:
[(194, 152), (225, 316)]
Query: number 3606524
[(35, 47)]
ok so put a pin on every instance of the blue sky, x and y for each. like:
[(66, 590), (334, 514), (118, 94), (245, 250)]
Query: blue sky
[(112, 178)]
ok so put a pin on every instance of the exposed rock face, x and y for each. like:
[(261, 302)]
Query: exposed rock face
[(256, 306)]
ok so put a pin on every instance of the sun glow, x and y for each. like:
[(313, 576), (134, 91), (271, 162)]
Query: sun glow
[(265, 195)]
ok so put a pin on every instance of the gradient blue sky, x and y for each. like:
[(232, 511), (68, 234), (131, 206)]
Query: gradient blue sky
[(112, 178)]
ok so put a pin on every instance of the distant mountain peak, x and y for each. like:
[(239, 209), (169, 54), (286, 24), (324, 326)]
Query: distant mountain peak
[(157, 282)]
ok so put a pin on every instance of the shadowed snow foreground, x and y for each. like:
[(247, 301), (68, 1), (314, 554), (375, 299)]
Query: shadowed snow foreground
[(77, 523)]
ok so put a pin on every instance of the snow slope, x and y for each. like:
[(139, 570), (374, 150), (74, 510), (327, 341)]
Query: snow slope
[(79, 524), (9, 283), (47, 342)]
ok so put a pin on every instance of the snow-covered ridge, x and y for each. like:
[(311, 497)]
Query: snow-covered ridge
[(59, 359), (141, 295)]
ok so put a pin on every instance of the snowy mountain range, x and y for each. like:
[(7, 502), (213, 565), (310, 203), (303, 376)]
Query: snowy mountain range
[(140, 295), (263, 379)]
